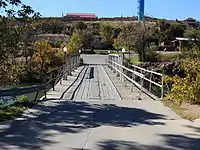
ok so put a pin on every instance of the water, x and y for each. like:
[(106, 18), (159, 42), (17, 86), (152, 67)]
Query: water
[(9, 100)]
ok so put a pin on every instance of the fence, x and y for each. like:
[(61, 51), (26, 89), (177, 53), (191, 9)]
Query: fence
[(147, 80), (56, 75)]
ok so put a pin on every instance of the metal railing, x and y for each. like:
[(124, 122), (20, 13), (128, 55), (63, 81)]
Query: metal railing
[(71, 63), (144, 79)]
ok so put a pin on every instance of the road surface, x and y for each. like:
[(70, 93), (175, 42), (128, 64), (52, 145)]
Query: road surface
[(100, 116)]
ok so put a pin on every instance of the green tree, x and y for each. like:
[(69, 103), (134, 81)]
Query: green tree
[(192, 33), (106, 32), (175, 30), (134, 38), (76, 42), (116, 43), (81, 26), (128, 37)]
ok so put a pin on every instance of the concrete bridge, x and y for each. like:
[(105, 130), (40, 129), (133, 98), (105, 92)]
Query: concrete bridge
[(94, 110)]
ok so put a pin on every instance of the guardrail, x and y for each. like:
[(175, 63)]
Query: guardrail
[(71, 63), (140, 77)]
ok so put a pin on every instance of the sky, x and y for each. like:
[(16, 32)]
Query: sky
[(166, 9)]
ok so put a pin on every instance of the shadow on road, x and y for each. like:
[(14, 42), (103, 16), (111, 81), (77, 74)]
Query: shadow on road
[(173, 142), (69, 117)]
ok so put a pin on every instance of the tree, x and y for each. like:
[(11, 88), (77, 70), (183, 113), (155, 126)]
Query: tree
[(43, 53), (116, 43), (192, 33), (134, 37), (81, 26), (76, 42), (106, 32), (175, 30), (128, 37)]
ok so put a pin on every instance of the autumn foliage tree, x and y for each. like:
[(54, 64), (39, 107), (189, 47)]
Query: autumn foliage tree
[(46, 57)]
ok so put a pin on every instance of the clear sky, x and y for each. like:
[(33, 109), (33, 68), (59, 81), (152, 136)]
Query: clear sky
[(168, 9)]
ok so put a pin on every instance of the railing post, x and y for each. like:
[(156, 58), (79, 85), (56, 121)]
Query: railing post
[(36, 96), (70, 65), (141, 82), (125, 80), (162, 88), (73, 64), (133, 74), (121, 69), (64, 73), (53, 84), (111, 63), (150, 82), (45, 94)]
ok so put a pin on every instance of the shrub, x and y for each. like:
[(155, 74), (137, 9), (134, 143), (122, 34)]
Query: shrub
[(151, 54), (163, 57), (193, 52), (188, 88)]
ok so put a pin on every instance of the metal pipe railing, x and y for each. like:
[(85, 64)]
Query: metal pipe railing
[(61, 73), (115, 63)]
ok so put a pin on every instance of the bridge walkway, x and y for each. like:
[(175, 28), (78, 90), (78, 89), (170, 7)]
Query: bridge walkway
[(98, 112)]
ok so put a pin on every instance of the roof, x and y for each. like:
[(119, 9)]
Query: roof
[(184, 39), (82, 15), (190, 19)]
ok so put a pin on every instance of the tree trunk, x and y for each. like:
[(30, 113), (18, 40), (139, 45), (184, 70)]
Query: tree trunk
[(25, 52)]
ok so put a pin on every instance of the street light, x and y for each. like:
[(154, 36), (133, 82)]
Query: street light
[(65, 49), (65, 62), (65, 53), (123, 50)]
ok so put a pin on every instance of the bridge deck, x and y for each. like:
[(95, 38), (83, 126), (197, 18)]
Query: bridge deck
[(96, 118)]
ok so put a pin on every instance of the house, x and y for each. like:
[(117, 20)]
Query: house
[(80, 17), (191, 22), (179, 42)]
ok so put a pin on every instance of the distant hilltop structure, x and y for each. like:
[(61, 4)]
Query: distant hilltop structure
[(141, 10), (80, 17), (191, 22)]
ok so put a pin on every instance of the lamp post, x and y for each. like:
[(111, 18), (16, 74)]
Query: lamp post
[(65, 53), (65, 58), (123, 52), (123, 58)]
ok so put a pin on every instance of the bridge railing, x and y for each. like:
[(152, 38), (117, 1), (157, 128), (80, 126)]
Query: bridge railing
[(146, 80), (56, 76)]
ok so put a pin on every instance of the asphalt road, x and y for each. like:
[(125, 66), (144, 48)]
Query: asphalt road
[(98, 119), (94, 59)]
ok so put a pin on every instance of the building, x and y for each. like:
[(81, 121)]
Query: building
[(80, 17), (180, 42), (191, 22)]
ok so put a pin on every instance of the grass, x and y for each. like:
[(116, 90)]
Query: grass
[(10, 112), (16, 110), (169, 56), (181, 111), (105, 52), (135, 60)]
